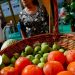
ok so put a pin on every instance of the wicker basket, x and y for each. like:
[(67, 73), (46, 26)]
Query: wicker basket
[(19, 46), (65, 41)]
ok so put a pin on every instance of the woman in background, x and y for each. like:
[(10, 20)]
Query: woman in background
[(34, 18)]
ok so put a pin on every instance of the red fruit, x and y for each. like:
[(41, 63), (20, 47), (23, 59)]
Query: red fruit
[(71, 67), (57, 56), (65, 73), (32, 70), (8, 71), (52, 68), (70, 56), (21, 63)]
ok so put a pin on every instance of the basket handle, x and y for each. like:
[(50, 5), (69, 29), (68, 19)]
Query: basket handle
[(55, 16)]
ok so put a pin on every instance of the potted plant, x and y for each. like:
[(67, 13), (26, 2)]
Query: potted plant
[(70, 13)]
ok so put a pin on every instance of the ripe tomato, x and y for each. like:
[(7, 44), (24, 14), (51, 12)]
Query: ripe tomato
[(8, 71), (52, 68), (20, 63), (70, 56), (65, 73), (71, 67), (32, 70), (57, 56)]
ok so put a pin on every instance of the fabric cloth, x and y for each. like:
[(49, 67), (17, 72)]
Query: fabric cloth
[(36, 23)]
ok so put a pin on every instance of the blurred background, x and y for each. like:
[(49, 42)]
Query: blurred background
[(9, 15), (10, 9)]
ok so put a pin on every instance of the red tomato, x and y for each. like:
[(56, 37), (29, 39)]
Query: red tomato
[(52, 68), (20, 63), (65, 73), (71, 67), (70, 56), (32, 70), (57, 56), (8, 71)]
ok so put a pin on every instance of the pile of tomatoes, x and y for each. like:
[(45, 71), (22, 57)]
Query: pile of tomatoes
[(58, 63)]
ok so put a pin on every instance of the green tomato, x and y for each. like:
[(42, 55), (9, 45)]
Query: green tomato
[(55, 46), (35, 61), (44, 43), (36, 44), (16, 55), (5, 59), (65, 53), (13, 59), (38, 56), (61, 50), (45, 48), (40, 52), (30, 57), (45, 55), (36, 49), (28, 50), (23, 54), (41, 65), (43, 59)]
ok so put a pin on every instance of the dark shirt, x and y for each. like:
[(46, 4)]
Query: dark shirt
[(35, 23)]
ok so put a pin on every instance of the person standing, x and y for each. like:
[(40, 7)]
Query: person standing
[(34, 19)]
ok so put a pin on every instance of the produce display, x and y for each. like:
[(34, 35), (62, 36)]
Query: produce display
[(39, 59)]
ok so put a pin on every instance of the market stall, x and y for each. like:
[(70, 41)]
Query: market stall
[(43, 54)]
